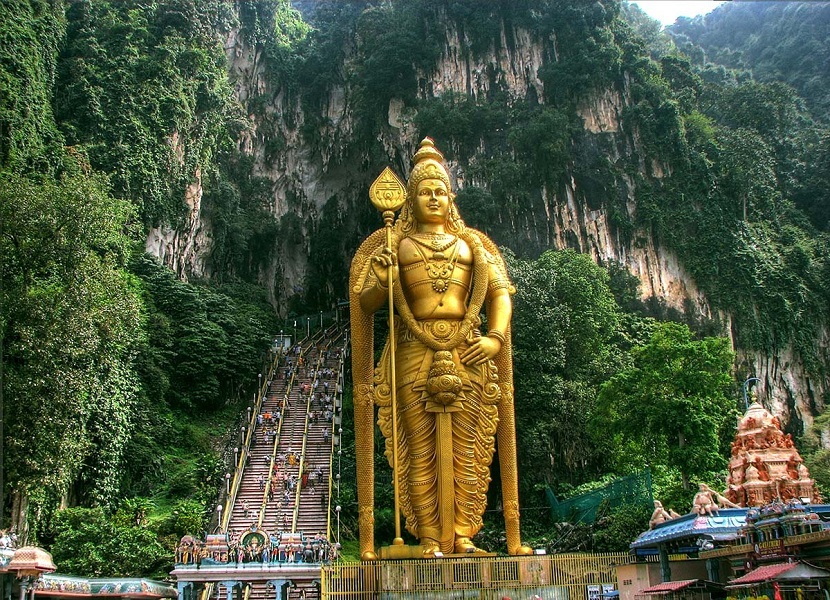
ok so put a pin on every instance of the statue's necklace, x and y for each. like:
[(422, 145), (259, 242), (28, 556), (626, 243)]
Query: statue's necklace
[(435, 241), (441, 268)]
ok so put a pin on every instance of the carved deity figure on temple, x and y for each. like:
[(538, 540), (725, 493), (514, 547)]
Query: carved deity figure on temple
[(661, 515), (704, 504), (452, 380)]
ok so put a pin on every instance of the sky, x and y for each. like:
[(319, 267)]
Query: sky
[(666, 11)]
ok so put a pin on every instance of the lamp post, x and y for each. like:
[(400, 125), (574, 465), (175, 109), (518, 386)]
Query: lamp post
[(259, 383), (308, 326), (228, 483), (28, 564), (235, 456), (219, 518), (337, 510), (321, 319), (745, 387)]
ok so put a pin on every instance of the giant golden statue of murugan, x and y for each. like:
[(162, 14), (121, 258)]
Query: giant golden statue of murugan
[(454, 386)]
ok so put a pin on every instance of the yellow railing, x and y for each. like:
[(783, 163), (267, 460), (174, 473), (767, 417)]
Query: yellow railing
[(303, 464), (491, 577), (335, 436)]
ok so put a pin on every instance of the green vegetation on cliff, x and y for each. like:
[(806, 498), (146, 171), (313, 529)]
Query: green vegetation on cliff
[(111, 112), (118, 378)]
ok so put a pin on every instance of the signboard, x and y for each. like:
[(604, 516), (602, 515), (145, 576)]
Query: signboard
[(770, 548), (594, 592)]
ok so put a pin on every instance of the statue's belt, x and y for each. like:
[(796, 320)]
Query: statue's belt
[(438, 329)]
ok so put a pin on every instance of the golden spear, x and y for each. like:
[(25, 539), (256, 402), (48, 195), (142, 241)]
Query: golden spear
[(388, 194)]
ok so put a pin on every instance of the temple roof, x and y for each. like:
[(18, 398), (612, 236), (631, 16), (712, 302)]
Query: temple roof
[(65, 585), (669, 586), (756, 417), (721, 528), (781, 572)]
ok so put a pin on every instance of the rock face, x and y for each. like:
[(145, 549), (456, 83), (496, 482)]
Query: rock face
[(305, 176), (185, 249)]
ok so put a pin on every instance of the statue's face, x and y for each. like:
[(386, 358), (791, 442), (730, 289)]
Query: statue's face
[(432, 201)]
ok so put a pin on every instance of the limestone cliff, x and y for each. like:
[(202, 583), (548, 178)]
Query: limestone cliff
[(306, 173)]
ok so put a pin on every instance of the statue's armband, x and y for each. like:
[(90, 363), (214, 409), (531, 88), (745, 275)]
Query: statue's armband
[(498, 279)]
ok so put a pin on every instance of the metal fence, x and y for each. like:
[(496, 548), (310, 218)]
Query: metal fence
[(630, 490), (556, 577)]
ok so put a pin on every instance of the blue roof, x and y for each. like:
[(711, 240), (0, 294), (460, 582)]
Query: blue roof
[(723, 527)]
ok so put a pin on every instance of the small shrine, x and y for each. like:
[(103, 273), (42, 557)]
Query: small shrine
[(765, 465), (768, 527)]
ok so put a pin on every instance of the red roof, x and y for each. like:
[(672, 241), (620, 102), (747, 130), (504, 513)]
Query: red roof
[(667, 587), (764, 573)]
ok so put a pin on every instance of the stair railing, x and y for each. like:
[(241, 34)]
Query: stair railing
[(311, 393)]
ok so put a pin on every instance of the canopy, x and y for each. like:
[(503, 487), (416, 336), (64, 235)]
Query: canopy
[(790, 571), (668, 587), (685, 585)]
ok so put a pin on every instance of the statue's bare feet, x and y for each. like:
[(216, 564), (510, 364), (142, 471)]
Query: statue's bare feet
[(521, 551), (463, 545), (430, 547)]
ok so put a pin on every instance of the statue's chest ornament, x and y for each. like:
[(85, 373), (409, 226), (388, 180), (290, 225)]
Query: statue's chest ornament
[(440, 268)]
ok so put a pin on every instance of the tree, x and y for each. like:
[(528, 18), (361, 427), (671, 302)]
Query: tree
[(564, 326), (90, 543), (71, 325), (671, 407)]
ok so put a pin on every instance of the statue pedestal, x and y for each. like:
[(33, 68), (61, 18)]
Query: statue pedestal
[(475, 575), (548, 577), (417, 552)]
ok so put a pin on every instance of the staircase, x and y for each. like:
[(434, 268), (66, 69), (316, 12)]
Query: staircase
[(285, 488)]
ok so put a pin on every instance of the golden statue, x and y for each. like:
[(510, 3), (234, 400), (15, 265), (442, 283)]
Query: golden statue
[(449, 398)]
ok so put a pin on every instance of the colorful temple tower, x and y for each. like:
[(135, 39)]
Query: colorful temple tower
[(765, 465)]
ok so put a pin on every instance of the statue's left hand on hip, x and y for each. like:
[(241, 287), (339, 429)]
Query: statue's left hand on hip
[(481, 350)]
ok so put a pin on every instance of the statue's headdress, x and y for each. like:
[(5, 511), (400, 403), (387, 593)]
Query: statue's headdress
[(428, 164)]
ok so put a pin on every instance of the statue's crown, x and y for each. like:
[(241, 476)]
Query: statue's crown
[(428, 164), (428, 151)]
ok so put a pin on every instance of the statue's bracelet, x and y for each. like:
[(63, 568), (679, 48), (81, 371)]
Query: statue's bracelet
[(495, 333)]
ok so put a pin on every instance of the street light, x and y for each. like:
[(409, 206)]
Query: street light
[(321, 319), (236, 455), (28, 564), (228, 483), (219, 517), (745, 387), (337, 510)]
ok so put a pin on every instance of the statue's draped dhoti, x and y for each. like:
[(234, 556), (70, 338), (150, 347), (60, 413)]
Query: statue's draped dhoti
[(444, 447)]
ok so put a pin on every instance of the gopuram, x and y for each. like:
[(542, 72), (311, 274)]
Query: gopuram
[(443, 387), (751, 539), (765, 464)]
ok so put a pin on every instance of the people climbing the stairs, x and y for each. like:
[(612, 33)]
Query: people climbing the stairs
[(284, 487)]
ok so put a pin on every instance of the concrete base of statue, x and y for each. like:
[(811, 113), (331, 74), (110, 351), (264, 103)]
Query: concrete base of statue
[(404, 552), (539, 593), (475, 575), (551, 577)]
